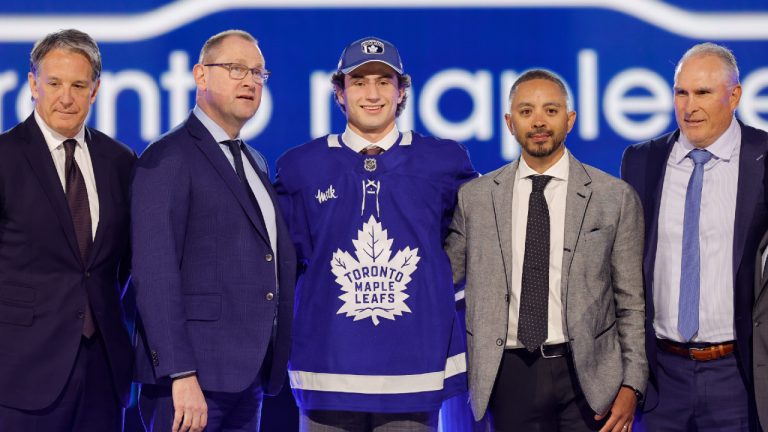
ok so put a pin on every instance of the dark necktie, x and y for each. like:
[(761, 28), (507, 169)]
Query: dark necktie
[(690, 269), (79, 209), (237, 156), (534, 292), (372, 151)]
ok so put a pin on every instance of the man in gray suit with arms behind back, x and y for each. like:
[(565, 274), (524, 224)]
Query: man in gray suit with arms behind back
[(551, 254)]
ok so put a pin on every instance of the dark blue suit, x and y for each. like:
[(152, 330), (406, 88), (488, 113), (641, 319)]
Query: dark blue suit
[(43, 281), (643, 167), (204, 269)]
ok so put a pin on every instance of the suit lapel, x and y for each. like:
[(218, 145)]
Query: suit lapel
[(751, 167), (577, 198), (39, 157), (656, 169), (502, 208), (210, 148), (761, 279), (102, 175)]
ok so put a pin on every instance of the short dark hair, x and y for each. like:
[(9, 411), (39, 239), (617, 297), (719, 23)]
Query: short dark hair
[(71, 40), (533, 74), (403, 82), (214, 41)]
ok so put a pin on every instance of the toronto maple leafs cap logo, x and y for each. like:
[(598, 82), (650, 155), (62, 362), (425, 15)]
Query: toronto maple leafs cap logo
[(370, 49)]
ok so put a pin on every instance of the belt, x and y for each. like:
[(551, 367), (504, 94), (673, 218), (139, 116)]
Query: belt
[(545, 351), (698, 353)]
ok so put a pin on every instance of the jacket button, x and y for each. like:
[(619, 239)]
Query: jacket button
[(757, 323), (270, 296), (80, 314), (87, 274), (268, 257), (499, 342)]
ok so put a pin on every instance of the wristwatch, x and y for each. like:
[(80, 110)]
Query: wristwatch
[(638, 395)]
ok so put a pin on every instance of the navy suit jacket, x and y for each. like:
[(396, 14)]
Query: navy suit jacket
[(204, 269), (43, 281), (643, 166)]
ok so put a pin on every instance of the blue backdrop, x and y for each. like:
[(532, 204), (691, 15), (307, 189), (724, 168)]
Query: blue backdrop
[(616, 56)]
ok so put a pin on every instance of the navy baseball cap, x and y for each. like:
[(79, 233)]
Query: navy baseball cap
[(370, 49)]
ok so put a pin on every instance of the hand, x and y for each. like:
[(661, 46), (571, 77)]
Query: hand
[(190, 410), (622, 412)]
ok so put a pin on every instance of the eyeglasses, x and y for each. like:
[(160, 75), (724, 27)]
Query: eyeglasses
[(238, 71)]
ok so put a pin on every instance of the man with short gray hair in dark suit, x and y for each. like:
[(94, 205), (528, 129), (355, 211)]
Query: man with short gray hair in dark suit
[(214, 267), (65, 354)]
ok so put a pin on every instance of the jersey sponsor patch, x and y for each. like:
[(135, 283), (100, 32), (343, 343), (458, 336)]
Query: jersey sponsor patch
[(374, 285), (328, 194)]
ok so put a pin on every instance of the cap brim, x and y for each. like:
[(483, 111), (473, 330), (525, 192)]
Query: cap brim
[(353, 67)]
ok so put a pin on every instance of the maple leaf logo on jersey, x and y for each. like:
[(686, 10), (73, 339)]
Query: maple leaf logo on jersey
[(374, 286)]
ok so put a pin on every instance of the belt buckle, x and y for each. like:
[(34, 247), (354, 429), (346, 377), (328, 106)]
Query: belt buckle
[(541, 349), (692, 350)]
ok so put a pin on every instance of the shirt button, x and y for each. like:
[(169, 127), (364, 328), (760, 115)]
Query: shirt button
[(757, 323), (268, 257), (499, 342), (270, 296), (87, 274), (80, 314)]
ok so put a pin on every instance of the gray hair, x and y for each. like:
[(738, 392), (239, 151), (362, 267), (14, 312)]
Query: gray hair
[(214, 41), (533, 74), (70, 40), (710, 49)]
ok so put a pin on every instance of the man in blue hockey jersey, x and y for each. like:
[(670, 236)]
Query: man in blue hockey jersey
[(377, 344)]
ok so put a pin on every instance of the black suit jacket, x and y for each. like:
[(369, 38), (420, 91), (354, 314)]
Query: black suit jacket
[(43, 281), (643, 166)]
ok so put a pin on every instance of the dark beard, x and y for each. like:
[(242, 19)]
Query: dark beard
[(540, 150)]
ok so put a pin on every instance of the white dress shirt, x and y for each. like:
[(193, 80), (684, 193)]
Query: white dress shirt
[(716, 228), (55, 142), (555, 195), (358, 143)]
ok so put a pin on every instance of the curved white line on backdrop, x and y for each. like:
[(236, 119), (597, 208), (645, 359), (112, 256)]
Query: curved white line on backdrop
[(146, 25)]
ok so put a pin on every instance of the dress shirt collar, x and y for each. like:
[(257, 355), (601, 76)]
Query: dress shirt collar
[(213, 128), (558, 171), (723, 148), (358, 143), (53, 139)]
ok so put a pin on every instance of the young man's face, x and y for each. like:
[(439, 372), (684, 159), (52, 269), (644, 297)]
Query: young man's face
[(370, 97)]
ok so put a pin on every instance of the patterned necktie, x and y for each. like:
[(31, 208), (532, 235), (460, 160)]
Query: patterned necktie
[(534, 292), (690, 269), (237, 155), (372, 151), (79, 209)]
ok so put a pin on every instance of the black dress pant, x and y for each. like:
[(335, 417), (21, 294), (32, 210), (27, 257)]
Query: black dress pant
[(536, 394), (87, 403)]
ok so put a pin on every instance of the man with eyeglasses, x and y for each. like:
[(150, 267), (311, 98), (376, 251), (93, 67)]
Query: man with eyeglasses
[(213, 264)]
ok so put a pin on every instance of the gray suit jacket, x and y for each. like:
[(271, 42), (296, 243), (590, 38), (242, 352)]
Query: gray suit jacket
[(760, 336), (602, 281)]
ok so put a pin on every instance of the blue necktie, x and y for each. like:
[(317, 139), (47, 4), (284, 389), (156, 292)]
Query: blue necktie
[(690, 270)]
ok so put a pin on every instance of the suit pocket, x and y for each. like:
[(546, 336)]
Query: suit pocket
[(17, 293), (202, 307), (606, 330), (16, 315)]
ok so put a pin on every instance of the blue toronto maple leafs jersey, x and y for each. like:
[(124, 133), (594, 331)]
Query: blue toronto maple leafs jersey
[(375, 326)]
